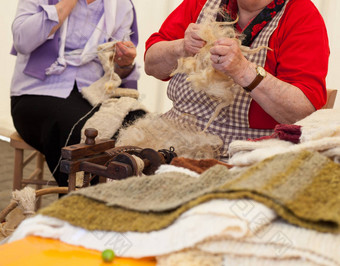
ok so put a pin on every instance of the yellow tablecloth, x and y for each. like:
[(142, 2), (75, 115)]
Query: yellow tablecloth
[(42, 251)]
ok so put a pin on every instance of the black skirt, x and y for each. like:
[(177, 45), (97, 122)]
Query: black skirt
[(45, 123)]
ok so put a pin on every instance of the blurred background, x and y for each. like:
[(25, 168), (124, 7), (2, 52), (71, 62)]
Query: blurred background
[(150, 15)]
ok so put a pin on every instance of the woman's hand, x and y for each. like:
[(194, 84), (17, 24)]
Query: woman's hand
[(161, 58), (192, 41), (285, 102), (125, 53), (124, 58), (227, 58)]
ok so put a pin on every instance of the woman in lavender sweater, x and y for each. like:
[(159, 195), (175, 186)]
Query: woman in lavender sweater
[(56, 46)]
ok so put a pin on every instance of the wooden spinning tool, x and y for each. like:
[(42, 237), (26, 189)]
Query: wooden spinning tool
[(149, 158), (103, 159), (91, 151)]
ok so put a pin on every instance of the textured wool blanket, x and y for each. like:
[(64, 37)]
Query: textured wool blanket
[(302, 188), (277, 244), (211, 219), (110, 116), (320, 132)]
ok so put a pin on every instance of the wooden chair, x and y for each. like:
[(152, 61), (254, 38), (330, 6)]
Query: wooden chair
[(20, 162), (331, 96)]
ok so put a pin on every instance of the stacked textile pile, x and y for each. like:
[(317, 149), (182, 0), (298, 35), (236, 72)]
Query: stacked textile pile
[(281, 211), (318, 132)]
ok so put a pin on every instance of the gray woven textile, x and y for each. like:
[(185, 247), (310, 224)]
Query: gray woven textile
[(160, 192), (302, 188), (283, 176)]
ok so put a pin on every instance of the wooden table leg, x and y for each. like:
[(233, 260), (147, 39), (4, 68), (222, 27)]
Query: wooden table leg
[(71, 182)]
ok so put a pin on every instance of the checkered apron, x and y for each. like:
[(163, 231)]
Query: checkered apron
[(197, 108)]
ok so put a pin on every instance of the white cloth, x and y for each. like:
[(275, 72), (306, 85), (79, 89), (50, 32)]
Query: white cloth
[(324, 146), (320, 132), (166, 168), (230, 218), (82, 56), (280, 243), (320, 124)]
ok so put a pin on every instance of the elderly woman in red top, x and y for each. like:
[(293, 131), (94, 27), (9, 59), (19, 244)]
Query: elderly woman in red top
[(280, 85)]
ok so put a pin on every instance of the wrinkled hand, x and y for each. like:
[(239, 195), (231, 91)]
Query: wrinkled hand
[(125, 53), (192, 42), (227, 58)]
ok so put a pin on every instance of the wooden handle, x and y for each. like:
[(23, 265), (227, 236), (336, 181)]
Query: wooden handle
[(91, 134)]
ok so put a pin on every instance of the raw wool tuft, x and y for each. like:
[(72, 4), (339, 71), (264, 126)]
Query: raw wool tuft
[(107, 86), (156, 132), (201, 74), (26, 200)]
